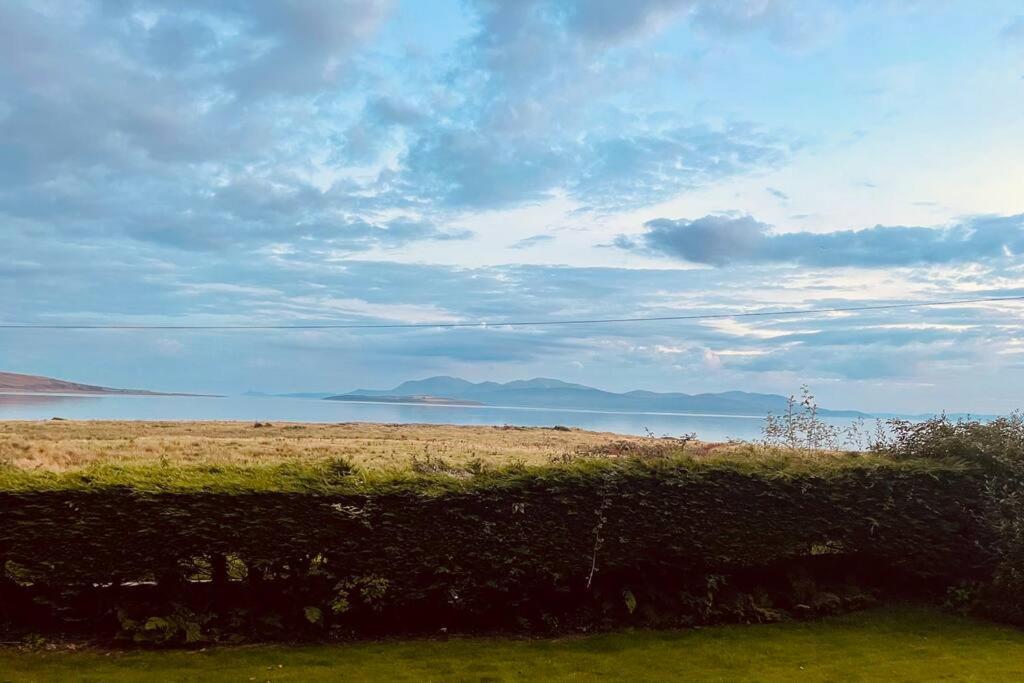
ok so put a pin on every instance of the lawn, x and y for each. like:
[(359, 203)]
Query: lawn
[(890, 644)]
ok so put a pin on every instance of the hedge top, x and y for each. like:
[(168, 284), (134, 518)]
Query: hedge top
[(339, 477)]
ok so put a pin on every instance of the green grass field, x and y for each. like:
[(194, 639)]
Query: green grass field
[(892, 644)]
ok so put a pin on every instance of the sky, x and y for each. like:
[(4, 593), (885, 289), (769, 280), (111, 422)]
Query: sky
[(431, 161)]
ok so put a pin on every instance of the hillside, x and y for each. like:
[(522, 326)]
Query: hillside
[(553, 393), (12, 382)]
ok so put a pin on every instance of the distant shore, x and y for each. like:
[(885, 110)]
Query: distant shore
[(406, 400)]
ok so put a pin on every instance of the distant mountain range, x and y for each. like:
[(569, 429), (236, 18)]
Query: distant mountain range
[(453, 391), (12, 382), (361, 398), (555, 394)]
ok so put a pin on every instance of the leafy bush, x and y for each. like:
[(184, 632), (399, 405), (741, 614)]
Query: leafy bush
[(996, 445), (996, 448), (181, 626)]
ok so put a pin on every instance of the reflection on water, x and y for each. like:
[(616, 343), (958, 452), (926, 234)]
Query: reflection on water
[(36, 400), (41, 407)]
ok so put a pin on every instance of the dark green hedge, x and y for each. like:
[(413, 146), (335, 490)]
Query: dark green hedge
[(517, 547)]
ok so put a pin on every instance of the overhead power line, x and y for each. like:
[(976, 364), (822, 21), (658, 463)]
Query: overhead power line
[(515, 323)]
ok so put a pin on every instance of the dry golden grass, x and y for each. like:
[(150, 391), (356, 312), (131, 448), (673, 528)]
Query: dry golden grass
[(69, 446), (62, 446)]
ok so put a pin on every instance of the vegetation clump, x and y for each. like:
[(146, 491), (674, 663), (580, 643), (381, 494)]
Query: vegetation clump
[(992, 449), (996, 449), (644, 531)]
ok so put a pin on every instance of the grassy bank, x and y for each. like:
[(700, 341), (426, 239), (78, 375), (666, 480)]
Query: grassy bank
[(895, 644)]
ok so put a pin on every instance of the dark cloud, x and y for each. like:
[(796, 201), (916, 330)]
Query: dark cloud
[(715, 240), (726, 239)]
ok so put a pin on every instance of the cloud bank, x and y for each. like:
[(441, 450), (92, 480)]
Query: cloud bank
[(723, 240), (306, 160)]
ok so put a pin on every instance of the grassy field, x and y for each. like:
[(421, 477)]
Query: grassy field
[(72, 445), (69, 446), (894, 644)]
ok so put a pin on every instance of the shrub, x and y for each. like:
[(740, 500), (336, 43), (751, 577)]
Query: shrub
[(290, 552), (996, 445), (800, 428), (996, 449)]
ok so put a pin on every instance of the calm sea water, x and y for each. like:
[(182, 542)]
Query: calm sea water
[(270, 409)]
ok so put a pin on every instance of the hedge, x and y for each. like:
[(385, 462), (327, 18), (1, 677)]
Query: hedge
[(282, 552)]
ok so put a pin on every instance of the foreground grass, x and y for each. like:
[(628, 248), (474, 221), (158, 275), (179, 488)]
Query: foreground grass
[(893, 644)]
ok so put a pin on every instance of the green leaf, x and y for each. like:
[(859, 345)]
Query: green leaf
[(193, 632), (156, 624)]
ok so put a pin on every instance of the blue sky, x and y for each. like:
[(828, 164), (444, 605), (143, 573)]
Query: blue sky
[(435, 161)]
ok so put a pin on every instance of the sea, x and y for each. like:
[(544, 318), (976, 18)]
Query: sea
[(707, 427)]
